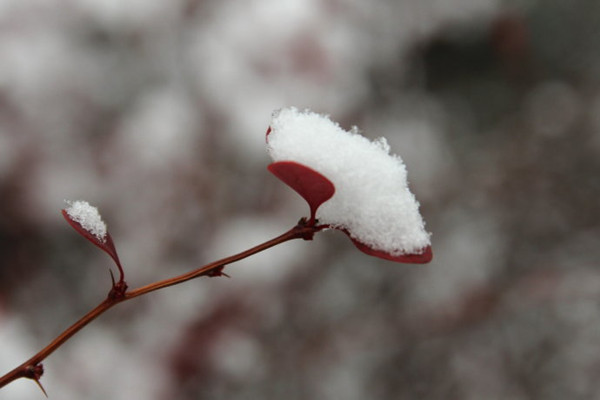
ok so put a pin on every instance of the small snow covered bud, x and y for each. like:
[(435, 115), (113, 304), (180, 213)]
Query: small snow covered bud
[(372, 202), (87, 217), (86, 220)]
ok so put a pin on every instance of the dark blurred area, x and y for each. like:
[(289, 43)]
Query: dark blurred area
[(156, 113)]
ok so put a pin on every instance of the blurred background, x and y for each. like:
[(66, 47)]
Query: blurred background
[(156, 113)]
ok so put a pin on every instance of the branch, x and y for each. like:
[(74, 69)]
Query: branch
[(33, 368)]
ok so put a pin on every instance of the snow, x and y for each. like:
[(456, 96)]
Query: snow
[(372, 199), (88, 217)]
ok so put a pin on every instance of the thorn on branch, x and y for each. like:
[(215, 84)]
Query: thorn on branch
[(215, 272), (35, 372)]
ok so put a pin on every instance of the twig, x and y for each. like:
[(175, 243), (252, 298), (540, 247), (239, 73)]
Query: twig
[(33, 368)]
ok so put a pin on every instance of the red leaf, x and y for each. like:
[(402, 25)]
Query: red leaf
[(107, 244), (311, 185), (412, 258)]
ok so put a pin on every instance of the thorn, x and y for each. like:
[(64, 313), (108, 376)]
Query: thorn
[(35, 373), (218, 271), (302, 222), (112, 278), (41, 387)]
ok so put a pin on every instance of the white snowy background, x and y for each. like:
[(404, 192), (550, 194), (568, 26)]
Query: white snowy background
[(155, 111)]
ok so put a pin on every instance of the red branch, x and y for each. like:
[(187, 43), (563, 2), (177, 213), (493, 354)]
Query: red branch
[(33, 368)]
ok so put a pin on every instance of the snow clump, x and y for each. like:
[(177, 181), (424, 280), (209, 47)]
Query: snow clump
[(372, 202), (88, 217)]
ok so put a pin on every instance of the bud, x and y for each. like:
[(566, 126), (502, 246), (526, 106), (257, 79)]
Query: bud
[(86, 220)]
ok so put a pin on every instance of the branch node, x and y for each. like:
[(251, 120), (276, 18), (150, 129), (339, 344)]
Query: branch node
[(306, 228), (118, 289), (35, 372)]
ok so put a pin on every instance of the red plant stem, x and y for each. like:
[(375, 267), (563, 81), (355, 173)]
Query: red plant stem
[(25, 370), (299, 231)]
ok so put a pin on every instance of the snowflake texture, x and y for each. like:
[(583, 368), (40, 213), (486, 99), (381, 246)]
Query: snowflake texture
[(88, 217), (372, 201)]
